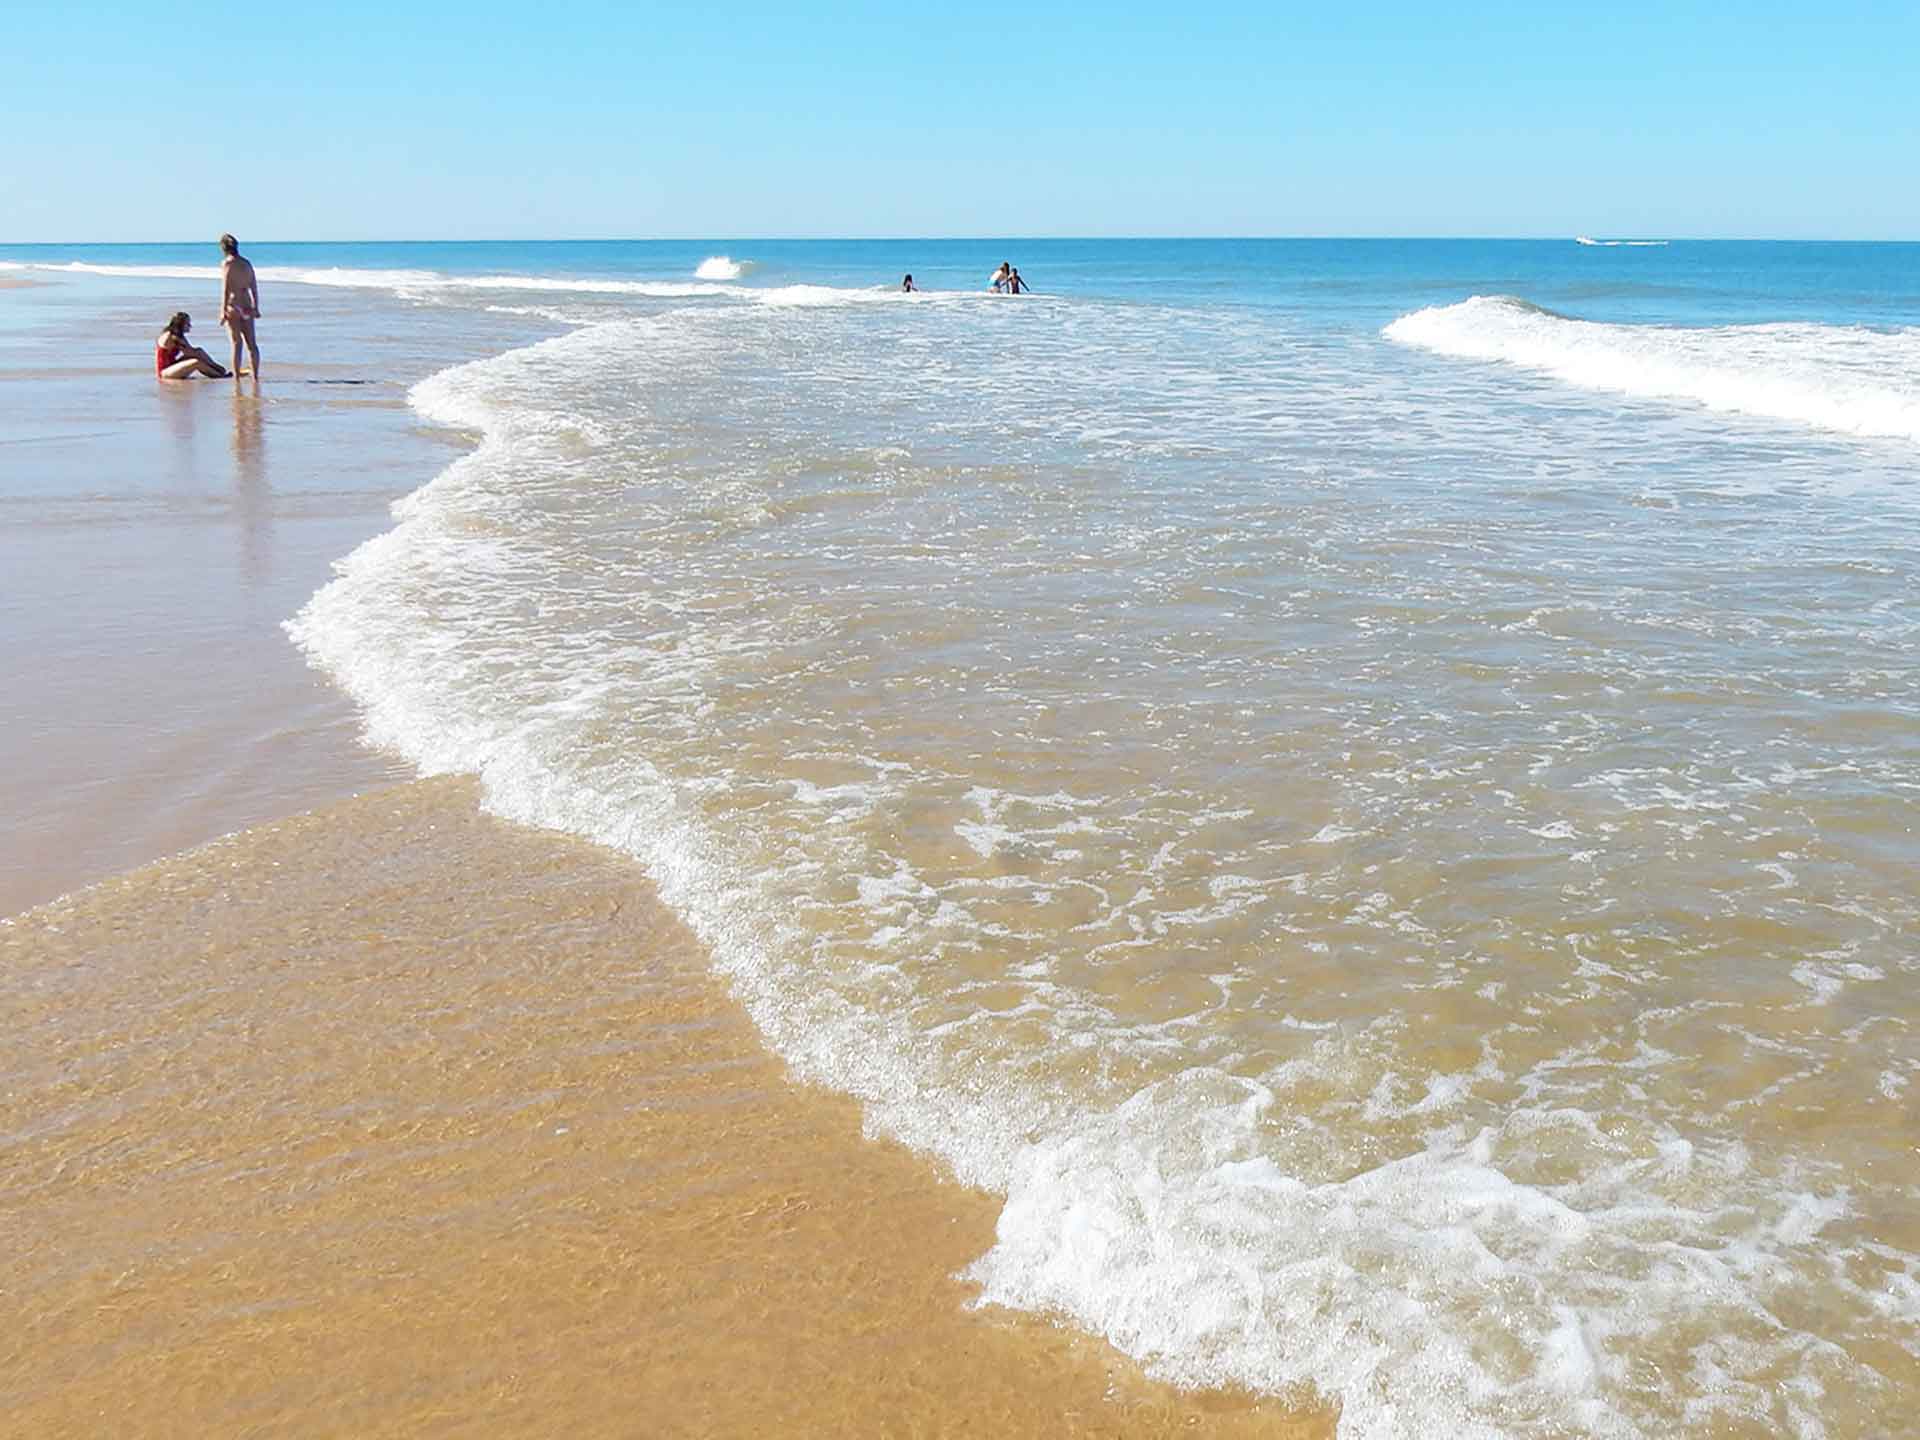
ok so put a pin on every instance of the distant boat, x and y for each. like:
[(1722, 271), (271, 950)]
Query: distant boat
[(1587, 240)]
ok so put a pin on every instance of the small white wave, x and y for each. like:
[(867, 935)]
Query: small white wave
[(427, 282), (652, 289), (804, 296), (284, 274), (551, 313), (1605, 244), (1834, 377)]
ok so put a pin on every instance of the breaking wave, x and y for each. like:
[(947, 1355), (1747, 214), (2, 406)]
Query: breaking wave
[(1844, 378)]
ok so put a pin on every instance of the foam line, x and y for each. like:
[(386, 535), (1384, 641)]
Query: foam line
[(1848, 379), (1432, 1292)]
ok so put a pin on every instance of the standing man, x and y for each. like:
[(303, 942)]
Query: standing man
[(239, 303)]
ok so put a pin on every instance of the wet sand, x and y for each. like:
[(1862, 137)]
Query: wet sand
[(391, 1118), (155, 537), (395, 1119)]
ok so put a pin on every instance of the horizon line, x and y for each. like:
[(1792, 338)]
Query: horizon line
[(985, 238)]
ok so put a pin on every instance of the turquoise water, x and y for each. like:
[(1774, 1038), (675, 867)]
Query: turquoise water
[(1369, 788), (1344, 281)]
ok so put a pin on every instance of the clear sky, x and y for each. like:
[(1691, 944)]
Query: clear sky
[(420, 119)]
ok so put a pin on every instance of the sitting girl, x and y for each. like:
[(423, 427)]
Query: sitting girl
[(175, 359)]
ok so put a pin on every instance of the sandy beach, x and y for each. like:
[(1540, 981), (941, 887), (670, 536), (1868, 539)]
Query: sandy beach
[(394, 1119), (390, 1118), (1347, 868), (157, 536)]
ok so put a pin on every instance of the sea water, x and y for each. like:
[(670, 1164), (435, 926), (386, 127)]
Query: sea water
[(1369, 788)]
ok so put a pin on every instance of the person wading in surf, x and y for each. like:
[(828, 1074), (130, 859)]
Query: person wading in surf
[(239, 302)]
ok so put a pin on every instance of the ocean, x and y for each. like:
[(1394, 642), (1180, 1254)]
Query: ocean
[(1368, 787)]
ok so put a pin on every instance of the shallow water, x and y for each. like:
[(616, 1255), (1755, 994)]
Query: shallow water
[(1381, 820), (152, 539), (399, 1120)]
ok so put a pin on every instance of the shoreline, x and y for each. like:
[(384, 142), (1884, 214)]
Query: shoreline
[(163, 534), (222, 1190), (1506, 1023), (399, 1116)]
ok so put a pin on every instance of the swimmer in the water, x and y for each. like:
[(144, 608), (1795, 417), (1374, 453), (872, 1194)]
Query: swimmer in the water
[(1015, 285), (174, 358), (1000, 277), (908, 287)]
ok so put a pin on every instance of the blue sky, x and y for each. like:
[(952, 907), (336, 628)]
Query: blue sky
[(576, 118)]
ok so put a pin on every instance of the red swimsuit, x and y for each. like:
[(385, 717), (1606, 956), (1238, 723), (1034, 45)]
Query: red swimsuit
[(163, 357)]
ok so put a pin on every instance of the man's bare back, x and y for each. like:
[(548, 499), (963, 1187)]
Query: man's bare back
[(239, 302)]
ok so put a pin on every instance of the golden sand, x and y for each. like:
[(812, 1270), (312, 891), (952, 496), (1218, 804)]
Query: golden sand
[(394, 1119)]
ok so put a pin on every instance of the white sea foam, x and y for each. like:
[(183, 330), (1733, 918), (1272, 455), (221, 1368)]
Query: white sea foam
[(717, 281), (816, 296), (546, 312), (652, 289), (1842, 378), (1484, 1269), (287, 274), (423, 282)]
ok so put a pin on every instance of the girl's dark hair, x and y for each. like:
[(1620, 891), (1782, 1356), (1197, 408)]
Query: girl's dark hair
[(230, 245), (178, 322)]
